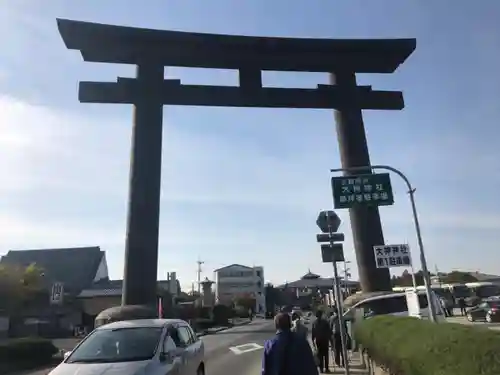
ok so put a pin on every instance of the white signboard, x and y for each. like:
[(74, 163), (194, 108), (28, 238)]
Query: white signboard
[(390, 256), (57, 293)]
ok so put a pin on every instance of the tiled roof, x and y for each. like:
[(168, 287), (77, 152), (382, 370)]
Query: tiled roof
[(74, 267), (318, 282), (310, 275), (231, 266), (111, 288)]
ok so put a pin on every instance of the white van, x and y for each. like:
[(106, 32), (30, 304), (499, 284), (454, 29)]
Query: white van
[(393, 304)]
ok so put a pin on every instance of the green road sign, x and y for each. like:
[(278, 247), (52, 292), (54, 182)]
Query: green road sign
[(367, 189)]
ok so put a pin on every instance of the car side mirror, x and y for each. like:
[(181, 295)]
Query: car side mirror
[(66, 355)]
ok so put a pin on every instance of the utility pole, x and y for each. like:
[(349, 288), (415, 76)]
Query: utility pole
[(199, 262)]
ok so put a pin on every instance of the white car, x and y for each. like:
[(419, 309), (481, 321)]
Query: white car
[(137, 347), (393, 304)]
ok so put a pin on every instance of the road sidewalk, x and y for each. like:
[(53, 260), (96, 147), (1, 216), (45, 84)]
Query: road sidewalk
[(356, 365)]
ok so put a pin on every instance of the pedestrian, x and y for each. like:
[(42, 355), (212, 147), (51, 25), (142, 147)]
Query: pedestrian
[(449, 307), (298, 327), (287, 353), (337, 339), (321, 337), (445, 308), (463, 306)]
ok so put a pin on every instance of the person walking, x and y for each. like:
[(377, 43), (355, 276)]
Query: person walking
[(445, 308), (298, 327), (337, 339), (462, 305), (287, 353), (321, 337)]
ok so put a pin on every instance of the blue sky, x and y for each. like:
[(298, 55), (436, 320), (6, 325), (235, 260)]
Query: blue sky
[(245, 185)]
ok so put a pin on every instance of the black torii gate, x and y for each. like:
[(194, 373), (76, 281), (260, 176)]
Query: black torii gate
[(152, 50)]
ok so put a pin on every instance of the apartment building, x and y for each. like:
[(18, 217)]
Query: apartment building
[(236, 280)]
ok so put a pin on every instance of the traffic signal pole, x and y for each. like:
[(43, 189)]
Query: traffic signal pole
[(339, 305), (411, 192)]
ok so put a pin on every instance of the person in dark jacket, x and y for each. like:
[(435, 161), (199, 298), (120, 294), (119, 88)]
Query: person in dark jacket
[(463, 306), (321, 336), (337, 338), (287, 353)]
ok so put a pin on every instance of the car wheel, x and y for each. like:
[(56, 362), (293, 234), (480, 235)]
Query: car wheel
[(488, 318), (201, 370), (470, 318)]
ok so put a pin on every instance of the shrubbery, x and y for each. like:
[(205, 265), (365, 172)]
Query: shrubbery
[(27, 352), (409, 346)]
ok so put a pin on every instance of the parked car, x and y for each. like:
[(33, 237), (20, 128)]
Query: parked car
[(133, 347), (488, 311)]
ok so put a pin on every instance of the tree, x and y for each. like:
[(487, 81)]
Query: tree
[(454, 277), (245, 301), (458, 277), (20, 287)]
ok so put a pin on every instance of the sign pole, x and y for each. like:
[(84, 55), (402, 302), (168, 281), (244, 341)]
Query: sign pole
[(411, 192), (339, 303)]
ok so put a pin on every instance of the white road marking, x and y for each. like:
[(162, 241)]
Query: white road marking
[(245, 348)]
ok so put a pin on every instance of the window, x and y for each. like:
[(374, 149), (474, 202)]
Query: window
[(391, 305), (258, 273), (168, 345), (194, 338), (484, 305), (384, 306), (174, 334), (259, 284), (118, 345), (185, 336)]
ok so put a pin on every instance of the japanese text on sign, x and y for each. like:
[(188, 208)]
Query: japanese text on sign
[(389, 256), (373, 189)]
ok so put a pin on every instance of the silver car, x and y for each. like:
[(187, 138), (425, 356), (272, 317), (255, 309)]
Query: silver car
[(137, 347)]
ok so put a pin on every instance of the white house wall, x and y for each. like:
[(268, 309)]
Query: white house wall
[(102, 270), (232, 281)]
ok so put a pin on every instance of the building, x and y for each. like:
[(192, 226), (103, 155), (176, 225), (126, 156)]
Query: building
[(74, 268), (302, 291), (238, 281), (65, 274)]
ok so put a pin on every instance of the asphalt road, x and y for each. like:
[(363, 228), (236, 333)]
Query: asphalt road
[(463, 320), (236, 350)]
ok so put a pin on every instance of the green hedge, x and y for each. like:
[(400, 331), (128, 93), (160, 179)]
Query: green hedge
[(27, 352), (410, 346)]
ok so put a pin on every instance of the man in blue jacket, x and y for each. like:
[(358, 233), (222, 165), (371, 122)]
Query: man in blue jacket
[(287, 353)]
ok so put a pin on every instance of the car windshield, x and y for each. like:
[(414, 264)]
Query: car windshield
[(117, 345)]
